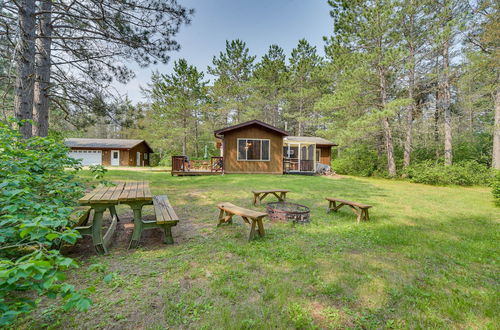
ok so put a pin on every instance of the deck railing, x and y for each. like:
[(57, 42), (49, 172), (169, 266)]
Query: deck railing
[(182, 164), (296, 165)]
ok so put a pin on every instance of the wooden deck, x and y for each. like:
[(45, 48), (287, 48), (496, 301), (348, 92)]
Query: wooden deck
[(182, 166), (195, 173)]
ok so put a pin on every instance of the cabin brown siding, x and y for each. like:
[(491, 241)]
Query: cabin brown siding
[(132, 155), (233, 165), (325, 155)]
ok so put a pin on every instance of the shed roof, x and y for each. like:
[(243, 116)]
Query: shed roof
[(309, 139), (220, 132), (103, 143)]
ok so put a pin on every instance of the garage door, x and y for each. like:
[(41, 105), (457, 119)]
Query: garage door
[(87, 157)]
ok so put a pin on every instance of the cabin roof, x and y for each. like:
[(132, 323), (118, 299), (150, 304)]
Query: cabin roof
[(309, 139), (220, 132), (103, 143)]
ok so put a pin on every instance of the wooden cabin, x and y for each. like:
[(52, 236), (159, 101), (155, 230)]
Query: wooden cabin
[(255, 147), (110, 152), (252, 147)]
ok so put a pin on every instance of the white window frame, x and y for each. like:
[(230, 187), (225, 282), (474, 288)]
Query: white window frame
[(246, 151)]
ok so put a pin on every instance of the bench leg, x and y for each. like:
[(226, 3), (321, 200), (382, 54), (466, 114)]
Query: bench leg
[(261, 227), (330, 207), (227, 218), (252, 230), (255, 196), (168, 235), (136, 235), (262, 197), (359, 213), (365, 217), (97, 240), (112, 210), (221, 217)]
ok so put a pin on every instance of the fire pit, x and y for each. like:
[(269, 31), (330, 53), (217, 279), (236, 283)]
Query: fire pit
[(284, 211)]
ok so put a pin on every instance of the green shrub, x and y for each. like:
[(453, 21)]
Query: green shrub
[(356, 161), (496, 188), (37, 196), (465, 173)]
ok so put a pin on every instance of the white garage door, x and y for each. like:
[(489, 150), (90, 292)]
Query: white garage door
[(87, 157)]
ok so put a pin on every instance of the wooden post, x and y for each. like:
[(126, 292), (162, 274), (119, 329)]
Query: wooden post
[(168, 234)]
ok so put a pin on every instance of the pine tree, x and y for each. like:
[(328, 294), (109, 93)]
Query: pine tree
[(232, 69), (369, 51), (268, 85), (176, 100), (304, 86)]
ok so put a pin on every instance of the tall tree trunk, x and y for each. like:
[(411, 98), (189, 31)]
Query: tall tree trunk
[(25, 63), (496, 133), (436, 122), (448, 146), (411, 108), (389, 147), (196, 133), (184, 135), (300, 126), (42, 67)]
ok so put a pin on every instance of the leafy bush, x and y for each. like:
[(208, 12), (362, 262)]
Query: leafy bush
[(37, 196), (496, 188), (356, 161), (98, 172), (465, 173)]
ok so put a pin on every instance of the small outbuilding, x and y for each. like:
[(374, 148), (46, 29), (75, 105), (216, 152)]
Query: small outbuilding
[(110, 152)]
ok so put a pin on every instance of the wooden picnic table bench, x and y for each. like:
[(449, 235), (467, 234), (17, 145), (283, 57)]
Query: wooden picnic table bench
[(228, 210), (259, 195), (361, 210), (136, 194), (166, 218)]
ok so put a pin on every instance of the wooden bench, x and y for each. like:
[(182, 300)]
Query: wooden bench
[(259, 195), (228, 210), (166, 218), (361, 210)]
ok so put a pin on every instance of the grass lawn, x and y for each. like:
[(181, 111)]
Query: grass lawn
[(427, 259)]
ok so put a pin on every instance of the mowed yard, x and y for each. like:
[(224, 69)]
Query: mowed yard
[(428, 258)]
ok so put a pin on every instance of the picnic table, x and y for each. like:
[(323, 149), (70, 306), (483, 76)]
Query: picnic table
[(259, 195), (136, 194)]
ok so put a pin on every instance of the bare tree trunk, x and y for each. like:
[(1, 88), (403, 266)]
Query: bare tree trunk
[(25, 63), (448, 146), (411, 109), (196, 133), (496, 133), (184, 135), (42, 67), (436, 123), (389, 147), (300, 128)]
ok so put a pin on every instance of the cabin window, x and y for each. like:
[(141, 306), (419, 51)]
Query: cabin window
[(254, 149)]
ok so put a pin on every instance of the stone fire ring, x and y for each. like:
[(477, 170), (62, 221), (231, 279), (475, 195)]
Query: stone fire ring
[(285, 211)]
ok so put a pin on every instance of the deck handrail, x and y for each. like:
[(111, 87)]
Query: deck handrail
[(182, 164)]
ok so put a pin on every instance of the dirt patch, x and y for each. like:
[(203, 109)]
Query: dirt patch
[(333, 176), (151, 239)]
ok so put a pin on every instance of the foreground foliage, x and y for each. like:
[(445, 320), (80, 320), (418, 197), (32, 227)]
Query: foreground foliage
[(426, 259), (36, 199)]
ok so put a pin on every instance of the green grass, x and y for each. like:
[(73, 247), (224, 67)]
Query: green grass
[(427, 259)]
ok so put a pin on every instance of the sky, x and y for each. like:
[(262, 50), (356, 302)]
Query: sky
[(259, 23)]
